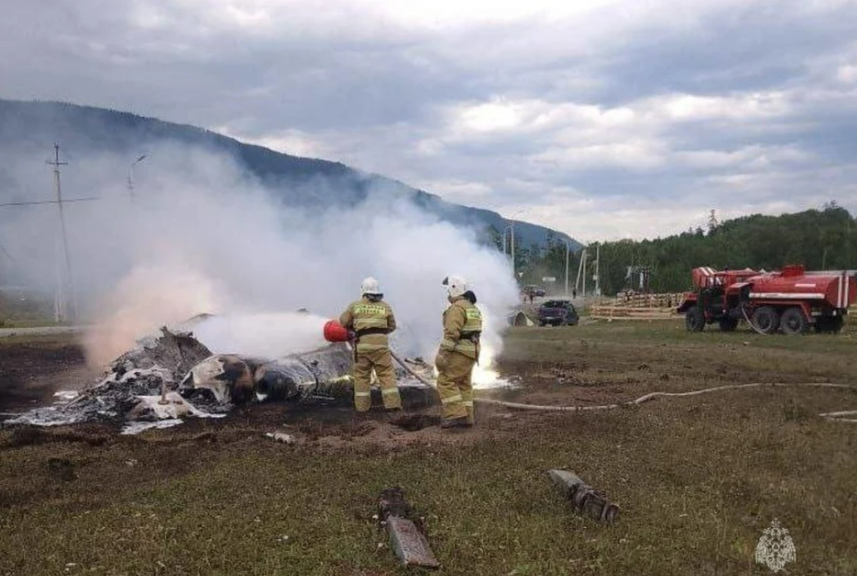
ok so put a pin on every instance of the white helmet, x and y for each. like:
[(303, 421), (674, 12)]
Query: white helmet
[(370, 286), (455, 285)]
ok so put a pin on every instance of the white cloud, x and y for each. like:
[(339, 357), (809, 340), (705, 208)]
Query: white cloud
[(847, 73), (490, 117), (459, 191), (638, 154), (748, 156), (688, 107), (294, 142)]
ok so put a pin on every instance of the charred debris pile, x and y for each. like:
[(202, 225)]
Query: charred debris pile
[(174, 375)]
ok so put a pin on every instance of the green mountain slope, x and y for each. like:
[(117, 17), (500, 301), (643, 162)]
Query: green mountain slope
[(33, 127)]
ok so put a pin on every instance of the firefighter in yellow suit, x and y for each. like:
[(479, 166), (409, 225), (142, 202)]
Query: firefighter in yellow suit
[(458, 353), (371, 319)]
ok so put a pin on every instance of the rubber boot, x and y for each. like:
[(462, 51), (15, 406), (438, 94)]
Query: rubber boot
[(471, 420), (392, 414), (448, 423)]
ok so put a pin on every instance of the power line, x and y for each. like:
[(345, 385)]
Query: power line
[(48, 202), (6, 252)]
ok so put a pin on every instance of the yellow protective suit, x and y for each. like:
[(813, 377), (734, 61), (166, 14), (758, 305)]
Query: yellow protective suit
[(372, 320), (459, 352)]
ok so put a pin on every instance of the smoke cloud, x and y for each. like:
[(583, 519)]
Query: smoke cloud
[(202, 236)]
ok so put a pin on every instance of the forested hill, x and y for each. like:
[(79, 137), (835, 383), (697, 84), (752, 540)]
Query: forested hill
[(818, 239), (29, 129)]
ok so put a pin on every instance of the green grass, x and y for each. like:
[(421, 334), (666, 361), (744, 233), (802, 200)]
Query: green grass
[(666, 347), (697, 479)]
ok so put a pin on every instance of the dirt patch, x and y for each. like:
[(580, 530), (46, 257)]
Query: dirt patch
[(30, 373), (414, 422), (31, 436)]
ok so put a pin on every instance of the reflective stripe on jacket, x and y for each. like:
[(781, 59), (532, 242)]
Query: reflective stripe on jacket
[(461, 321), (375, 317)]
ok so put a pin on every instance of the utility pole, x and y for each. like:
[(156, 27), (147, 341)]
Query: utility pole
[(56, 164), (567, 250), (131, 176), (581, 272), (511, 227), (513, 248), (597, 269)]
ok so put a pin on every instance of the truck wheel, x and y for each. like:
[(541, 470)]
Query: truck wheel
[(766, 320), (694, 321), (728, 324), (794, 321)]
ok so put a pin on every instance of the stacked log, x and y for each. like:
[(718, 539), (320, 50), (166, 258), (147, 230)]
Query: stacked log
[(637, 307)]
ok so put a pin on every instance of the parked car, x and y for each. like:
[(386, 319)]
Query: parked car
[(536, 291), (558, 313)]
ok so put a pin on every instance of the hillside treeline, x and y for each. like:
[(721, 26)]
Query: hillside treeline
[(818, 239)]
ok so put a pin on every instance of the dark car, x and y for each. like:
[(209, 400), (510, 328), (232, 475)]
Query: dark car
[(558, 313), (535, 291)]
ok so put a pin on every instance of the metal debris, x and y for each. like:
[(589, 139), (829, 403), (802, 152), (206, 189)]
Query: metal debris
[(584, 499), (148, 371), (173, 376), (407, 537), (281, 437)]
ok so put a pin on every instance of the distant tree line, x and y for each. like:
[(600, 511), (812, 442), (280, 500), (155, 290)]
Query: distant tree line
[(818, 239)]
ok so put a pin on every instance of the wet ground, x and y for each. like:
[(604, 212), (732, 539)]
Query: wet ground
[(32, 370)]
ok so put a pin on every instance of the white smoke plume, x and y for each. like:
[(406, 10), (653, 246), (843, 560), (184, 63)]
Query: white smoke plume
[(202, 236)]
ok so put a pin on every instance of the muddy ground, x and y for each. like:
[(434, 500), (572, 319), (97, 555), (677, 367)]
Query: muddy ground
[(33, 369), (698, 479)]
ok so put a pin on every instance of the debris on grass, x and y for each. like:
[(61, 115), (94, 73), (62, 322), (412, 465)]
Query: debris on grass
[(281, 437), (407, 538), (584, 499), (174, 376)]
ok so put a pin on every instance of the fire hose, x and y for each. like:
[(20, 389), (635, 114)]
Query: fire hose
[(750, 322), (645, 397), (332, 326)]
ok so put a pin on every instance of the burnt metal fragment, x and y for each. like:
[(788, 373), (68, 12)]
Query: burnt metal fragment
[(407, 536), (584, 498)]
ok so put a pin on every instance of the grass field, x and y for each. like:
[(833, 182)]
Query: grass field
[(698, 479)]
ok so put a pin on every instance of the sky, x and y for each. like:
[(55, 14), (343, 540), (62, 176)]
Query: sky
[(604, 119)]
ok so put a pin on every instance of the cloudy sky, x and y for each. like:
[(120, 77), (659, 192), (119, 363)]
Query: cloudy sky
[(601, 118)]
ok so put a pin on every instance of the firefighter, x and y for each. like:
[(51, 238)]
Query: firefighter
[(458, 353), (371, 320)]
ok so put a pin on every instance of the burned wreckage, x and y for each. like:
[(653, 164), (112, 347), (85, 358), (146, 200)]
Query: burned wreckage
[(174, 375)]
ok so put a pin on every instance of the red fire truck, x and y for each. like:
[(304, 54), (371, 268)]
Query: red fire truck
[(790, 300)]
